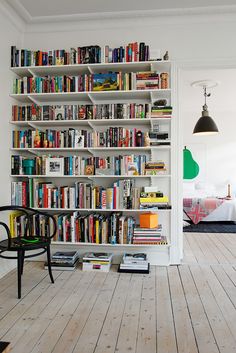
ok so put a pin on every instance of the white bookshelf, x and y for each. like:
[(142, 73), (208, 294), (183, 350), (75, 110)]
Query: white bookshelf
[(159, 254)]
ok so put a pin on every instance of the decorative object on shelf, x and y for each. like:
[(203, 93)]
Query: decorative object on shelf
[(191, 168), (166, 56), (148, 220), (205, 125), (89, 170), (146, 139), (28, 166), (54, 166)]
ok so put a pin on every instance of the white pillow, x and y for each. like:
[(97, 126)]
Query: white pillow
[(206, 189), (189, 189)]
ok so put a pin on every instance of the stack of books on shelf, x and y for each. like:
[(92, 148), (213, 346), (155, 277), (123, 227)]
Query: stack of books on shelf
[(152, 80), (70, 112), (149, 236), (134, 263), (155, 168), (97, 261), (152, 198), (161, 111), (63, 260)]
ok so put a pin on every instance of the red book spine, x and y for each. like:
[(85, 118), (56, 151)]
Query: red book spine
[(24, 194), (45, 196)]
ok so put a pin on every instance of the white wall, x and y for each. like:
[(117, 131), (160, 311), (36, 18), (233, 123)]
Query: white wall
[(9, 35), (216, 155), (197, 37)]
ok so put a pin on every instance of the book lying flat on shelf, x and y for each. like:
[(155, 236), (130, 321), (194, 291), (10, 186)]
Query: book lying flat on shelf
[(64, 260), (62, 266), (134, 263), (97, 261)]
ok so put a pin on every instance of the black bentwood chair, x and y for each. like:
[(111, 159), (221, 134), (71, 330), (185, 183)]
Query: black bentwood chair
[(27, 240)]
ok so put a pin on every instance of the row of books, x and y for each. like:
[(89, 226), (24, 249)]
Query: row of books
[(129, 53), (75, 227), (81, 55), (78, 165), (34, 112), (73, 138), (111, 81), (37, 193)]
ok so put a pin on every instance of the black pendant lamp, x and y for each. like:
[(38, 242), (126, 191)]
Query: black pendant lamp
[(205, 125)]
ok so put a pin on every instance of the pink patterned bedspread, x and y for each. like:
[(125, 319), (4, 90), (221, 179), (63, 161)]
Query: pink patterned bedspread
[(197, 208)]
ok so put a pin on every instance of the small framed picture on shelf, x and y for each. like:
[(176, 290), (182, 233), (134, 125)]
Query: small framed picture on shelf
[(54, 166)]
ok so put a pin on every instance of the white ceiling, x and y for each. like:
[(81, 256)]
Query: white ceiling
[(33, 10)]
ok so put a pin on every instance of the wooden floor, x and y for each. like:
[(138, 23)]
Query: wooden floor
[(179, 309)]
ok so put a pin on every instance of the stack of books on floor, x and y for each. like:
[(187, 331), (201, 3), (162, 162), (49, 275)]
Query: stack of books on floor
[(97, 261), (149, 236), (63, 260), (134, 263)]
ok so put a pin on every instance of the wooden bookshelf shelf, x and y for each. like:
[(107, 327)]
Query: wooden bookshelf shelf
[(133, 246), (92, 97), (91, 68), (92, 149), (94, 176), (168, 210), (91, 122)]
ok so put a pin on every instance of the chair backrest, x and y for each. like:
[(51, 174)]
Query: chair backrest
[(28, 222)]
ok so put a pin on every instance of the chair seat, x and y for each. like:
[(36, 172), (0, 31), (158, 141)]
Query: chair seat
[(24, 243)]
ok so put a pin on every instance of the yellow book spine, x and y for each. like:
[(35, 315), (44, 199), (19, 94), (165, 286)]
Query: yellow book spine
[(97, 231), (154, 199)]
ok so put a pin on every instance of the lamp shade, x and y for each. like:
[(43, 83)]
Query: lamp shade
[(205, 125)]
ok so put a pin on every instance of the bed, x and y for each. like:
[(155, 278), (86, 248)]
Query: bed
[(199, 205)]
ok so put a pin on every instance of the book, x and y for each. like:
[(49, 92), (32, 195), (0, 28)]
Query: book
[(134, 270), (105, 82), (61, 266), (65, 255), (98, 256)]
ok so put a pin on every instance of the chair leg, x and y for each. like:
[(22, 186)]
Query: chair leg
[(19, 271), (49, 264), (22, 262)]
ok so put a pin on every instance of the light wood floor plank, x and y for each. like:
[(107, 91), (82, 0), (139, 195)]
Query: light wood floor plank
[(204, 336), (127, 337), (91, 331), (26, 303), (35, 320), (222, 333), (184, 331), (146, 341), (222, 299), (166, 338), (189, 256), (48, 340), (108, 336), (75, 326), (197, 250)]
